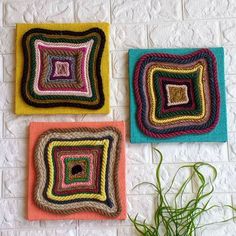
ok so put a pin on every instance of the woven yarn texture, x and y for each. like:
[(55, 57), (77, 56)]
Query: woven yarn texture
[(77, 170)]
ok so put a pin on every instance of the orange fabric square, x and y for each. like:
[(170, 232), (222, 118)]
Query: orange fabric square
[(50, 197)]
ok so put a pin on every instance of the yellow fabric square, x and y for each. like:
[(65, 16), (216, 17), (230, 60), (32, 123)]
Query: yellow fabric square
[(21, 107)]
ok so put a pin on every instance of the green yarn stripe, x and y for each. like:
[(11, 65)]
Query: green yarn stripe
[(67, 170), (197, 100)]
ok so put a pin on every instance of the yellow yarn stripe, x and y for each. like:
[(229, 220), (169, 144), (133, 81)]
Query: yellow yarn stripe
[(102, 196), (150, 86)]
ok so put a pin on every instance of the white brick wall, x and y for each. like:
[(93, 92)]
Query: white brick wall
[(134, 23)]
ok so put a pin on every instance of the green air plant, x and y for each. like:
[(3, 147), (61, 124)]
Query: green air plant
[(177, 217)]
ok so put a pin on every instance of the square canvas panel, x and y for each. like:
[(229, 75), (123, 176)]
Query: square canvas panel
[(76, 171), (62, 68), (177, 95)]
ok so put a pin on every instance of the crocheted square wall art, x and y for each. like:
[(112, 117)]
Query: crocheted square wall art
[(62, 68), (76, 171), (177, 95)]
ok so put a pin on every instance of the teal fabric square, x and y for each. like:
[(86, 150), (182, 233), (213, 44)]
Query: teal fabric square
[(218, 134)]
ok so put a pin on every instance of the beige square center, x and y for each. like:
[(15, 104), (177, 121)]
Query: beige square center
[(177, 94)]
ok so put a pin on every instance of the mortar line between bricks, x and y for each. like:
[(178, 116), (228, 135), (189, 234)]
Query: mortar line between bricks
[(212, 18), (77, 227), (229, 47), (2, 128), (147, 35), (79, 231), (162, 21), (152, 152), (182, 9), (191, 162), (7, 82), (12, 198), (10, 168), (232, 202), (174, 193), (220, 33), (177, 163), (3, 14), (74, 10), (229, 74), (193, 183), (8, 54), (1, 196), (13, 138), (110, 11), (234, 220), (12, 27), (36, 228), (228, 153), (9, 110), (118, 50)]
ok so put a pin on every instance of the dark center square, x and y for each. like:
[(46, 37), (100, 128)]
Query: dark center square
[(76, 169)]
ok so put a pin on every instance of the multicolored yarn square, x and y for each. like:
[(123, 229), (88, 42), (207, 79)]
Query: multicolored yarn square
[(63, 67), (77, 170), (176, 94)]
